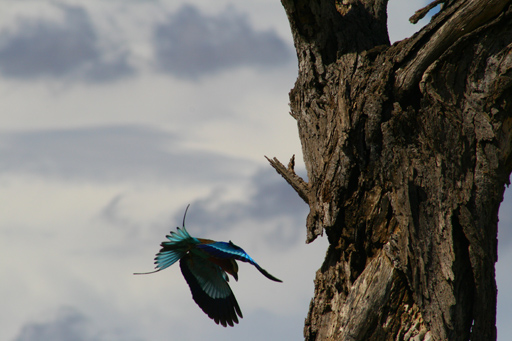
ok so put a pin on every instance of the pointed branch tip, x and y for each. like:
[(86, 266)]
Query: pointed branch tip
[(420, 14), (299, 185)]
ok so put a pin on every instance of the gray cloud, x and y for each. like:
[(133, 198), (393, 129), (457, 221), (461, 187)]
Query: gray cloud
[(67, 324), (191, 44), (112, 153), (42, 48), (270, 200)]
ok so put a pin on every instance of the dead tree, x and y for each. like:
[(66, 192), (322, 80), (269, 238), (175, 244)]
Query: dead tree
[(408, 151)]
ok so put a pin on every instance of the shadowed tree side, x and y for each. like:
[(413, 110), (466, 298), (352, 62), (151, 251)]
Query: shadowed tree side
[(408, 151)]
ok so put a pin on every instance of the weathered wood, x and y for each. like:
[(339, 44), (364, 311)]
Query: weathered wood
[(407, 148), (449, 27), (288, 173)]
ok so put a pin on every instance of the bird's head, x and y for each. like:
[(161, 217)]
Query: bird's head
[(232, 269)]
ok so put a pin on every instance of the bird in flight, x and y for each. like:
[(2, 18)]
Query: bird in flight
[(205, 264)]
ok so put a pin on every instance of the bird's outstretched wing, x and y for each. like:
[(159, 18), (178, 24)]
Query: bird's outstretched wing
[(224, 250), (210, 289)]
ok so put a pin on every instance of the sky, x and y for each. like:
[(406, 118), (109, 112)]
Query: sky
[(115, 115)]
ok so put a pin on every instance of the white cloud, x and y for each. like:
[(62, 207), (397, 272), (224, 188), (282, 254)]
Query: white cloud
[(112, 154)]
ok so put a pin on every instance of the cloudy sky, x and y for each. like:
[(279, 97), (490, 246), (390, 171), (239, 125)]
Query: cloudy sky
[(117, 114)]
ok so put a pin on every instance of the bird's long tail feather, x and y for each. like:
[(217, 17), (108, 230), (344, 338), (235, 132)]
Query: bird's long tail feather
[(146, 273)]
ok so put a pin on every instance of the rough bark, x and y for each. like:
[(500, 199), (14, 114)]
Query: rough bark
[(408, 150)]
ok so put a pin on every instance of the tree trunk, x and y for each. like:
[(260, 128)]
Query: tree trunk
[(408, 151)]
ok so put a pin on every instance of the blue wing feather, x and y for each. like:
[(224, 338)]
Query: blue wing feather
[(225, 250)]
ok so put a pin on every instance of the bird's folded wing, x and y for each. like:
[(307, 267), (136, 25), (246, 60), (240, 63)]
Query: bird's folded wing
[(226, 250), (229, 250), (210, 290)]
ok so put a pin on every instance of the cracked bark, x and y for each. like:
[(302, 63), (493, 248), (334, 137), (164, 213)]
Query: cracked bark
[(408, 151)]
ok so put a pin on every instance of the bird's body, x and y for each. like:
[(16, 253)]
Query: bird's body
[(205, 264)]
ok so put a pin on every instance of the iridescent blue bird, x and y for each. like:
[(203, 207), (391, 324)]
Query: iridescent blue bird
[(205, 264)]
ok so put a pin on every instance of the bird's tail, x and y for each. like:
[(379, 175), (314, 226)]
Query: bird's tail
[(180, 242)]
